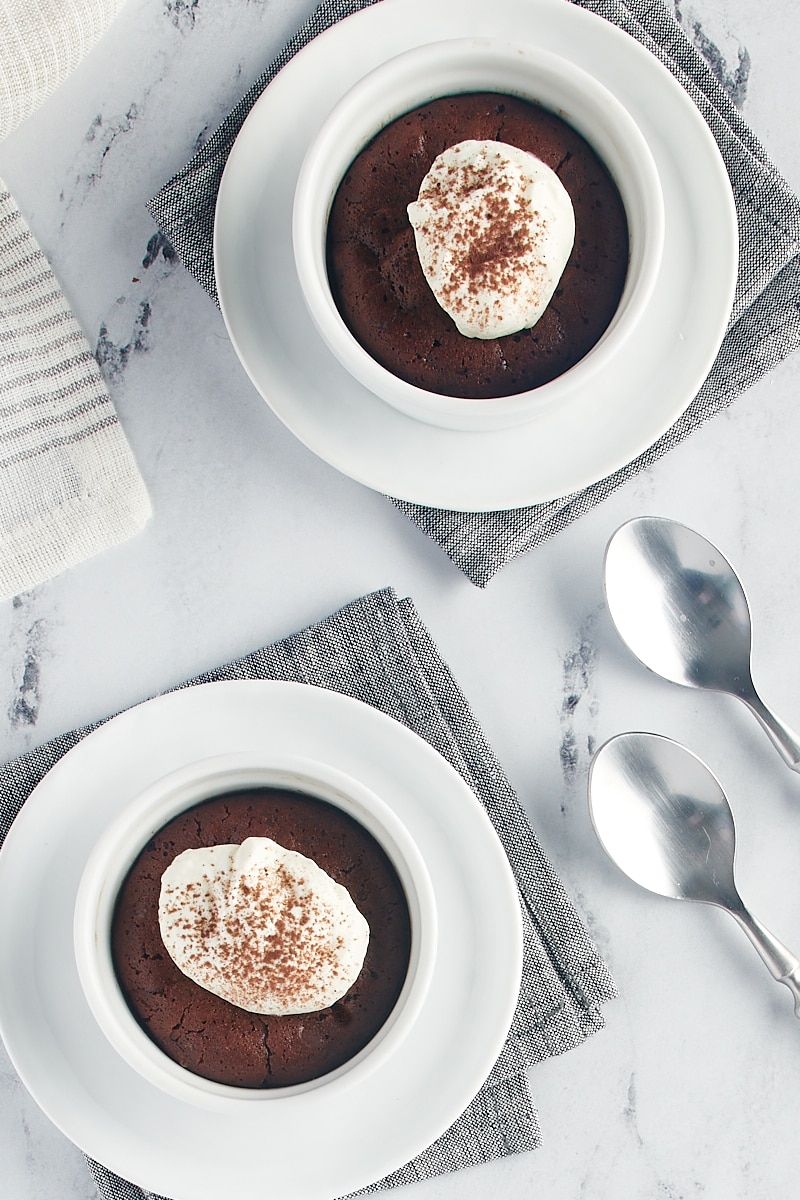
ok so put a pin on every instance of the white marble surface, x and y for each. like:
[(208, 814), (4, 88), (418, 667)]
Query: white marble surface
[(691, 1089)]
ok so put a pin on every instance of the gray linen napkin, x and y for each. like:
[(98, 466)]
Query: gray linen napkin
[(377, 650), (765, 326)]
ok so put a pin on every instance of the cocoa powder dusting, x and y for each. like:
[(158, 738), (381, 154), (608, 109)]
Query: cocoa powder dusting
[(214, 1038), (280, 943), (486, 249)]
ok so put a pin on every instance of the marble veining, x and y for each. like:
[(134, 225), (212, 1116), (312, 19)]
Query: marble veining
[(733, 79), (158, 244), (736, 80), (32, 643), (629, 1111), (182, 13), (126, 330), (101, 137), (578, 667), (113, 357)]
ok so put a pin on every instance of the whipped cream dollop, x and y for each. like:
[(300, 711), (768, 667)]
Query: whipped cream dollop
[(494, 227), (261, 926)]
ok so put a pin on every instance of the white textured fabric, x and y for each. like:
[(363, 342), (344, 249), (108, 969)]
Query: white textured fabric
[(41, 42), (69, 486)]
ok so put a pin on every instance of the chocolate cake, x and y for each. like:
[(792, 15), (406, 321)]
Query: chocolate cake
[(204, 1033), (377, 281)]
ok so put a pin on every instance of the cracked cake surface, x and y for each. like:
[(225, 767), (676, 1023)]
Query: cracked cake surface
[(205, 1033), (378, 283)]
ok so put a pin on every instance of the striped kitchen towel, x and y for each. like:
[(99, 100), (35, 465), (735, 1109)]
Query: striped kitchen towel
[(69, 486)]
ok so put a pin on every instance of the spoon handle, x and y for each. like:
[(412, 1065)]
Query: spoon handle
[(787, 742), (781, 963)]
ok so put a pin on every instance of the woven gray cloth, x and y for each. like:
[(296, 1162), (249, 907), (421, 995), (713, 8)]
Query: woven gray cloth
[(765, 326), (377, 650)]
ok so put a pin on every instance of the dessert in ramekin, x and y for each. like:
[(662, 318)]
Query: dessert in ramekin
[(195, 1043), (394, 101)]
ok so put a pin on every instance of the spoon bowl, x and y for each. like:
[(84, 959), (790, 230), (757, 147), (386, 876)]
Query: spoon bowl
[(663, 818), (680, 607)]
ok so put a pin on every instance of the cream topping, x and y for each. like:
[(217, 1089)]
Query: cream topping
[(261, 926), (494, 227)]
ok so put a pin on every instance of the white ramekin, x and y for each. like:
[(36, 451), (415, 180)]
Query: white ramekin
[(447, 68), (116, 850)]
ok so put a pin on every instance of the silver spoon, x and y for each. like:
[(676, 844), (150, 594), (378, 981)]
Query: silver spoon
[(679, 605), (663, 818)]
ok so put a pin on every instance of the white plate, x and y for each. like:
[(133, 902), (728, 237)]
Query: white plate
[(632, 402), (303, 1146)]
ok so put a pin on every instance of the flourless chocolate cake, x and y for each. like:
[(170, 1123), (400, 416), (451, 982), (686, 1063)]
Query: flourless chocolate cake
[(215, 1039), (378, 283)]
